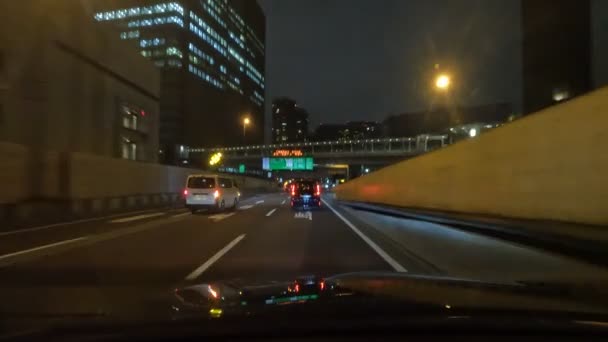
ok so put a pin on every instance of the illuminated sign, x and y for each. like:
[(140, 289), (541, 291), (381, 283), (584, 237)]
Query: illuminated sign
[(215, 158), (288, 164), (287, 153)]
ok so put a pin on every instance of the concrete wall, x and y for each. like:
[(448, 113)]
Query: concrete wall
[(63, 80), (552, 165), (46, 186)]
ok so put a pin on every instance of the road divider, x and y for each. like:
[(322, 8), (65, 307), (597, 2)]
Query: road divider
[(394, 264), (271, 212), (136, 218), (197, 272)]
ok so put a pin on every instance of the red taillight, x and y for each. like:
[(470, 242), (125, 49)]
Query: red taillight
[(317, 190), (322, 285), (296, 288), (293, 190), (216, 194), (185, 192)]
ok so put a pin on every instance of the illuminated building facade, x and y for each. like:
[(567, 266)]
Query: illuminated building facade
[(212, 59)]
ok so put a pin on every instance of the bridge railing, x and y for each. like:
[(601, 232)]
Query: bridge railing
[(419, 144)]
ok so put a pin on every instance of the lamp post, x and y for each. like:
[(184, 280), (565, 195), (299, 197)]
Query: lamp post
[(246, 122)]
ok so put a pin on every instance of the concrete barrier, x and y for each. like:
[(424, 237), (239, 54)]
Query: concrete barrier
[(552, 165), (40, 187)]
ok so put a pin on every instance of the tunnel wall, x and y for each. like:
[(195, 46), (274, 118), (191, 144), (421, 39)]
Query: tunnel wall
[(40, 186), (551, 165)]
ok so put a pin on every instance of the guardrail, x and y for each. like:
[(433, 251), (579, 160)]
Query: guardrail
[(391, 146)]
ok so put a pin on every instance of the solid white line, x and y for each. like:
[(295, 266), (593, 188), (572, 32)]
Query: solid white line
[(245, 207), (259, 202), (271, 212), (135, 218), (6, 256), (27, 230), (371, 243), (180, 215), (197, 272), (283, 202)]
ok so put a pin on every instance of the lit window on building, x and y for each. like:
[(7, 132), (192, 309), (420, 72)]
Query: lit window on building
[(139, 11), (173, 51), (151, 42), (129, 34), (210, 79), (198, 52), (128, 149), (196, 30), (214, 15), (172, 63), (206, 28), (156, 21)]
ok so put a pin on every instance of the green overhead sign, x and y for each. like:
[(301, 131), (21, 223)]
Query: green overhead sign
[(288, 164)]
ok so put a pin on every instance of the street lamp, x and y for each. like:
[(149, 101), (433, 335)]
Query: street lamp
[(246, 122), (443, 82)]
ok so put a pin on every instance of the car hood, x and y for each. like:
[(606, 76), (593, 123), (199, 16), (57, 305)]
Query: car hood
[(366, 293), (369, 302)]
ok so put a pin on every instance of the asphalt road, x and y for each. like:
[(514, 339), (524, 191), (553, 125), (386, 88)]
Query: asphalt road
[(129, 265)]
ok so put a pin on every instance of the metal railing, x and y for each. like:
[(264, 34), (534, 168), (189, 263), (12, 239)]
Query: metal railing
[(419, 144)]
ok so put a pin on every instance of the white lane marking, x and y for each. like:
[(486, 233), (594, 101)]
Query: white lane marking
[(219, 217), (6, 256), (271, 212), (136, 218), (245, 207), (304, 215), (283, 202), (197, 272), (181, 215), (371, 243), (259, 202), (69, 223)]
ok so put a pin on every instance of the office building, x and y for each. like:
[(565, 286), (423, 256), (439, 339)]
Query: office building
[(289, 121), (67, 85), (352, 130), (212, 59), (556, 51), (362, 130)]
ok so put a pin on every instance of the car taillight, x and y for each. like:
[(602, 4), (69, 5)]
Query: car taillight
[(293, 190), (317, 190), (185, 192), (216, 194)]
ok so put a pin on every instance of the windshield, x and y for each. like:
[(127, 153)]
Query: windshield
[(222, 146), (305, 187), (201, 183)]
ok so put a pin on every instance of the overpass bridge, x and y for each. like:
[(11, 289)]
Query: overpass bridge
[(352, 152)]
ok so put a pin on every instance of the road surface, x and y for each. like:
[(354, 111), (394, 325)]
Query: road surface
[(130, 264)]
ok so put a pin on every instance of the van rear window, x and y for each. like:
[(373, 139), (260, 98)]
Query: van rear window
[(201, 183)]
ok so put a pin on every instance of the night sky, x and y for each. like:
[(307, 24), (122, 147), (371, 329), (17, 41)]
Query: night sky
[(364, 59)]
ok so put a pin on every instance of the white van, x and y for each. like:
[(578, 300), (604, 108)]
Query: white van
[(212, 192)]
